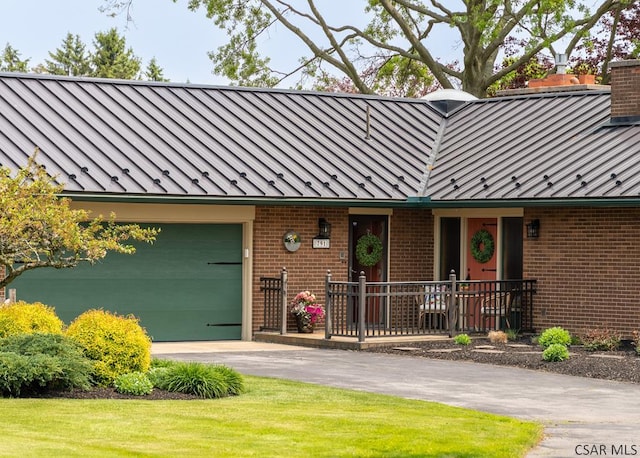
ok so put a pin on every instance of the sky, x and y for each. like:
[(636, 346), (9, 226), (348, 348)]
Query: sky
[(179, 39)]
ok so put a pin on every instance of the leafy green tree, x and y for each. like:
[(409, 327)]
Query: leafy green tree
[(71, 59), (10, 60), (40, 229), (112, 59), (154, 72), (406, 29)]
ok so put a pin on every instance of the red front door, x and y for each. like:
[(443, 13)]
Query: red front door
[(372, 227), (481, 256)]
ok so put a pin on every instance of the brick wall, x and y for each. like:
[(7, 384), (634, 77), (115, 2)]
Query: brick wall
[(410, 256), (625, 88), (587, 265)]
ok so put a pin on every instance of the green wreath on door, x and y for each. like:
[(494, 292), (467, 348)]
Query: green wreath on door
[(482, 246), (369, 250)]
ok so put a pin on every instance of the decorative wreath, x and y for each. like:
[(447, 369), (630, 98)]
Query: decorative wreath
[(482, 246), (369, 250)]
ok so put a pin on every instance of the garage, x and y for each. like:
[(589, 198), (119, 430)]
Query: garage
[(186, 286)]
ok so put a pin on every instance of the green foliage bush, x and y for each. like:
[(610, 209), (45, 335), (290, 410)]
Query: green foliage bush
[(134, 383), (203, 380), (158, 377), (601, 340), (462, 339), (117, 344), (555, 352), (25, 318), (37, 363), (555, 335)]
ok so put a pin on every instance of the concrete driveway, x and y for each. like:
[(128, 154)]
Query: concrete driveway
[(582, 417)]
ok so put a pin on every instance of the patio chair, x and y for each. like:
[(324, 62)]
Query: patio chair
[(496, 306), (432, 306)]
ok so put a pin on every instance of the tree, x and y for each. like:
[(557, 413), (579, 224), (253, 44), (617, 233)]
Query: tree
[(39, 229), (396, 28), (111, 58), (154, 72), (70, 60), (10, 61)]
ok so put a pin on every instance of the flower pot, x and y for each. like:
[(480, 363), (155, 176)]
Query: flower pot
[(304, 324)]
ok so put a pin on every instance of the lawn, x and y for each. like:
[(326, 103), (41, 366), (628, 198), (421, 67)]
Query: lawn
[(274, 418)]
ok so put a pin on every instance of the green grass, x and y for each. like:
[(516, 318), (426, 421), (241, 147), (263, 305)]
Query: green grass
[(274, 418)]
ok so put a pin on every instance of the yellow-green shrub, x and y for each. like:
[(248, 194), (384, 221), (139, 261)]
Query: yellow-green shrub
[(117, 344), (25, 318)]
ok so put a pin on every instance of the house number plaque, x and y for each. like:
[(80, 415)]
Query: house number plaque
[(321, 243)]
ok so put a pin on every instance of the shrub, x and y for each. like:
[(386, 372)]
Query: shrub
[(601, 340), (37, 363), (134, 383), (555, 352), (117, 344), (462, 339), (203, 380), (25, 318), (635, 341), (498, 337), (158, 377), (554, 335)]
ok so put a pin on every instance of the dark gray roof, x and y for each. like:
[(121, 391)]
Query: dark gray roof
[(115, 138), (122, 137), (551, 146)]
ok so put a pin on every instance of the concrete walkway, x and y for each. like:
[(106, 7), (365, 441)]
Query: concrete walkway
[(582, 417)]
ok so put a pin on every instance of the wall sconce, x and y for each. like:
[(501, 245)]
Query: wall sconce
[(325, 229), (533, 229)]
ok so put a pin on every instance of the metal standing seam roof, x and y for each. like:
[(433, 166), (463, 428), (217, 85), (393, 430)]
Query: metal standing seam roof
[(114, 138), (536, 147), (111, 137)]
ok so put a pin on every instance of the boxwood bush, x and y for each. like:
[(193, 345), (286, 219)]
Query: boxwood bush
[(37, 363), (555, 335), (27, 318), (117, 344), (555, 352)]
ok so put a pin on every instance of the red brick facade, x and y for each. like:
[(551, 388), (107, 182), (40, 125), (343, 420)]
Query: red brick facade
[(586, 264), (410, 253), (625, 89)]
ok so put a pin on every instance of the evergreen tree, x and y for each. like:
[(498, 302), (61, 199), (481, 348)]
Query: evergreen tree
[(111, 58), (10, 61), (154, 71), (71, 59)]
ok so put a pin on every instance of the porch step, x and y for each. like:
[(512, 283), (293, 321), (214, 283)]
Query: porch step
[(317, 340)]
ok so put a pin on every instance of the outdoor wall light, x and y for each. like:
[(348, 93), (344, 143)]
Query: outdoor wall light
[(325, 229), (533, 229)]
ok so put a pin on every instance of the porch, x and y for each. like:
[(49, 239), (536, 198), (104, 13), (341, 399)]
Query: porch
[(362, 314)]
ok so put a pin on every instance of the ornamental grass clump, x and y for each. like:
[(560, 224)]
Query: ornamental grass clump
[(28, 318), (203, 380), (555, 335), (116, 344), (498, 337)]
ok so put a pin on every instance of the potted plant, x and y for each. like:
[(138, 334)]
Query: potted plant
[(307, 311)]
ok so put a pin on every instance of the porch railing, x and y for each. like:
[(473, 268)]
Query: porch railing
[(274, 290), (385, 309)]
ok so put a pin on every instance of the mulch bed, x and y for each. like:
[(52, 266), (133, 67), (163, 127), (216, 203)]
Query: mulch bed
[(621, 365), (111, 393)]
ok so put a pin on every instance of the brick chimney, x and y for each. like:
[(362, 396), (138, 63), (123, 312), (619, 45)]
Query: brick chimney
[(625, 91)]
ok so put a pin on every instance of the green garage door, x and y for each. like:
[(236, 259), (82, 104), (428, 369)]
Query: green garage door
[(186, 286)]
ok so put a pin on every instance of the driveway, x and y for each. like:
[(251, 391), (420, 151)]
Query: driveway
[(582, 417)]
